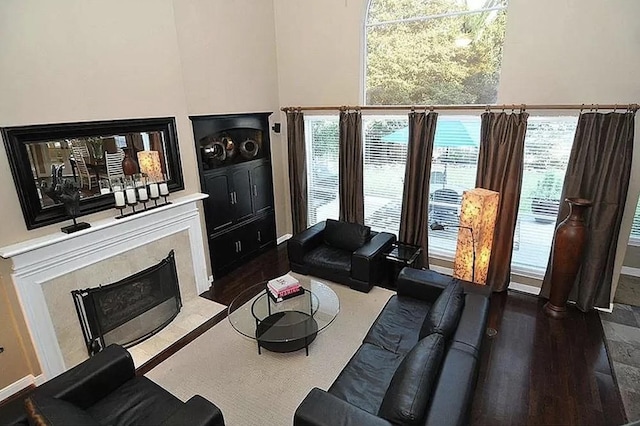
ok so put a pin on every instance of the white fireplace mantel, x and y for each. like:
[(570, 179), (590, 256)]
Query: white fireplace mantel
[(39, 260)]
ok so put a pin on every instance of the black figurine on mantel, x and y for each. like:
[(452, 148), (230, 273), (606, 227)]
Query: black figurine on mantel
[(70, 198)]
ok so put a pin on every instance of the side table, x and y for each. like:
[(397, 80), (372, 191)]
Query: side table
[(400, 255)]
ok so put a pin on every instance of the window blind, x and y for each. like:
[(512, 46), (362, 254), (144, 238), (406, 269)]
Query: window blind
[(547, 147), (321, 135)]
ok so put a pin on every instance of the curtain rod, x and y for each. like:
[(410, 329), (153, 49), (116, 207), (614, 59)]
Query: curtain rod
[(503, 107)]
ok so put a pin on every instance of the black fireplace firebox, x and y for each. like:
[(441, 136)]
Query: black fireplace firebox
[(130, 310)]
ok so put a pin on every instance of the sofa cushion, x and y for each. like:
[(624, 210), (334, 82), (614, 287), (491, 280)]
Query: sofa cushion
[(137, 402), (396, 328), (345, 235), (407, 398), (445, 313), (328, 257), (365, 379), (43, 410)]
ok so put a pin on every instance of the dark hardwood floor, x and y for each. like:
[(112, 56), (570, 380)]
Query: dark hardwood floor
[(541, 371), (535, 370)]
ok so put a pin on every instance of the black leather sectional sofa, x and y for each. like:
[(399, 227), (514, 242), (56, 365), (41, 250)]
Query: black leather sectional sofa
[(104, 390), (342, 252), (417, 364)]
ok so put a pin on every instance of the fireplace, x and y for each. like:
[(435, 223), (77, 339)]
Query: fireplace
[(130, 310)]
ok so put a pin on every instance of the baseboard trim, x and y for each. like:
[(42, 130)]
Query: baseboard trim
[(284, 238), (628, 270), (524, 288), (20, 385)]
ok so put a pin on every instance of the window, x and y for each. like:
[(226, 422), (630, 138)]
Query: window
[(322, 168), (547, 147), (453, 170), (635, 227), (385, 159), (433, 51)]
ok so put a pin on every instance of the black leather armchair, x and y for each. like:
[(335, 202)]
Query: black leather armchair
[(106, 387), (346, 253)]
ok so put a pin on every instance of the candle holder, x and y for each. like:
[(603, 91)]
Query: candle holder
[(154, 193), (163, 188), (120, 199)]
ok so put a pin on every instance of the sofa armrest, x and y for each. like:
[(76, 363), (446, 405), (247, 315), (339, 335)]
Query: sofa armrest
[(321, 408), (426, 284), (363, 260), (93, 379), (196, 412), (305, 241)]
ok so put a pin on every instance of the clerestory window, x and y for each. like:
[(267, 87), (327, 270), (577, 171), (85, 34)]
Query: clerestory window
[(426, 52)]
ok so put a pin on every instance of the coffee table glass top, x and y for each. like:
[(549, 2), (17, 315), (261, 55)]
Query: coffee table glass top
[(253, 306)]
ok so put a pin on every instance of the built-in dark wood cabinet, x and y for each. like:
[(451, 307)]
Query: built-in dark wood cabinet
[(234, 158)]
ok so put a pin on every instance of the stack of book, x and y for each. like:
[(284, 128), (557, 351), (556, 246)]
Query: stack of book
[(284, 287)]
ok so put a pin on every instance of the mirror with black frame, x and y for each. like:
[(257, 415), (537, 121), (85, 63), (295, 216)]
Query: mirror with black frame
[(94, 156)]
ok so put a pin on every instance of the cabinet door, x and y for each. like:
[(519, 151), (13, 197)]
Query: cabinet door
[(261, 188), (224, 250), (242, 194), (218, 208), (265, 231), (247, 241)]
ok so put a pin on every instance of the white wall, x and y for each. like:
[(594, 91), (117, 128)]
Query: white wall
[(556, 51)]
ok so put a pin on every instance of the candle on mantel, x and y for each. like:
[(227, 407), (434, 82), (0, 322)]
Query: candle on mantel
[(104, 191), (153, 190), (142, 194), (117, 188), (119, 198), (164, 189), (131, 196)]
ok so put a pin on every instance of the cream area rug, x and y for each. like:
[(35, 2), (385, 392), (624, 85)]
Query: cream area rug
[(266, 389)]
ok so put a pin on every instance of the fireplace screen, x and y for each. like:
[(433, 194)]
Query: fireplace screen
[(131, 310)]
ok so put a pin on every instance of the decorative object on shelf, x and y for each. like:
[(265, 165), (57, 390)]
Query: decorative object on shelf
[(478, 215), (149, 162), (105, 186), (214, 153), (249, 149), (129, 166), (229, 146), (566, 256), (53, 190), (139, 190), (70, 198)]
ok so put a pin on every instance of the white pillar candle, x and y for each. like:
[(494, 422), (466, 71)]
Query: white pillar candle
[(104, 190), (119, 198), (142, 194), (164, 189), (117, 188), (139, 183), (131, 196), (153, 190)]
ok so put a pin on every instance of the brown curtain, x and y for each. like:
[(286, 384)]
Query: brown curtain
[(297, 170), (350, 168), (500, 164), (599, 170), (415, 197)]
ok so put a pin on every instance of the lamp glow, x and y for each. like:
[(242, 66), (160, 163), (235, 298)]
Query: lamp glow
[(478, 214), (149, 162)]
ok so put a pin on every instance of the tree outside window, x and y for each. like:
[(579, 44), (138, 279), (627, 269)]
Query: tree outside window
[(434, 51)]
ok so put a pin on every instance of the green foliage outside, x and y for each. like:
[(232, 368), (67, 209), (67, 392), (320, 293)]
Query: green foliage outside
[(420, 62)]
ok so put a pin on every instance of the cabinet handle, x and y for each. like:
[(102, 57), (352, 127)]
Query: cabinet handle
[(255, 190), (231, 195), (235, 197), (240, 244), (236, 243), (259, 237)]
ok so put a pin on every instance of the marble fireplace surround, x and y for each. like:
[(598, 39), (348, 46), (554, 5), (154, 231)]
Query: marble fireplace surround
[(44, 270)]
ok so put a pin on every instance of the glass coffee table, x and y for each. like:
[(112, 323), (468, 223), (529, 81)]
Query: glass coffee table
[(285, 326)]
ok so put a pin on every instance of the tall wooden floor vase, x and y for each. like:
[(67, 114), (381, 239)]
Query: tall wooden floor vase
[(568, 248)]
